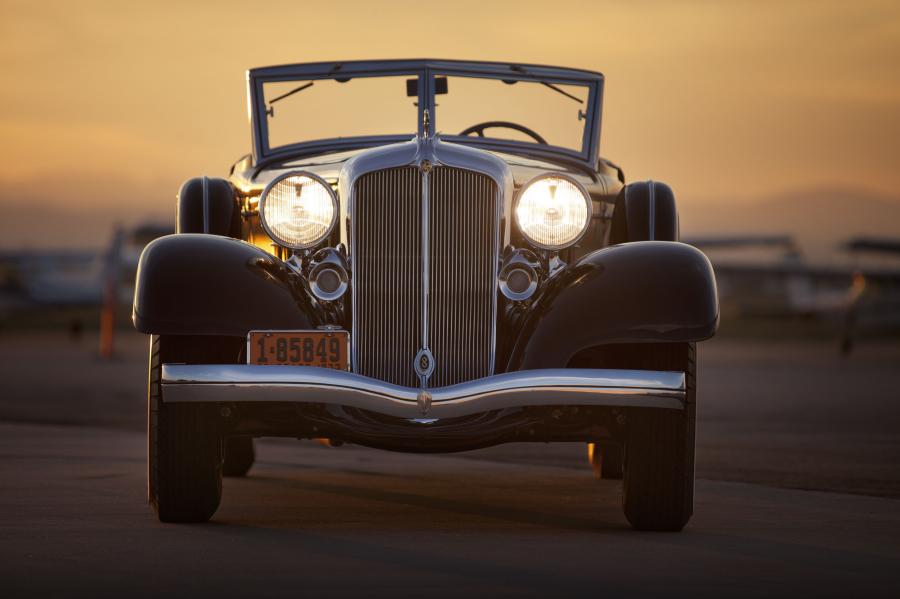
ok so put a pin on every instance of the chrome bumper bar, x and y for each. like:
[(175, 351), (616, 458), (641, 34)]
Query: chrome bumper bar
[(302, 384)]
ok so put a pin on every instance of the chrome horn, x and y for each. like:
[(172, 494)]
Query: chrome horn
[(328, 278), (519, 277)]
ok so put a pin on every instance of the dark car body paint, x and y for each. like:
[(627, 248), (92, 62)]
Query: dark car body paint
[(645, 211), (647, 291), (192, 284), (208, 205)]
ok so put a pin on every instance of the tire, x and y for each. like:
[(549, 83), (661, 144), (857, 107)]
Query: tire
[(239, 456), (606, 459), (184, 472), (659, 450)]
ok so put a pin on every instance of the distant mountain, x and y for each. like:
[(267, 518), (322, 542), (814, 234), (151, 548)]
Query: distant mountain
[(819, 219)]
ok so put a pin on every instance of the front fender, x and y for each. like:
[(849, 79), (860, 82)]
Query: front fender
[(647, 291), (191, 284)]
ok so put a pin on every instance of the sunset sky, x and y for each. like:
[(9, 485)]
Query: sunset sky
[(107, 106)]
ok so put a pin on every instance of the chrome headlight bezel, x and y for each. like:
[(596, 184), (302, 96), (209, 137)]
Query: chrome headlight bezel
[(588, 211), (273, 234)]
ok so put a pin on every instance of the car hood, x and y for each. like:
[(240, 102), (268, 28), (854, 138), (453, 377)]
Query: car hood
[(329, 167)]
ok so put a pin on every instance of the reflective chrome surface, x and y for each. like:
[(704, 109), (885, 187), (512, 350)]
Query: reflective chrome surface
[(416, 151), (387, 288), (424, 362), (588, 210), (304, 384), (327, 262), (262, 208), (519, 262), (424, 250), (462, 270)]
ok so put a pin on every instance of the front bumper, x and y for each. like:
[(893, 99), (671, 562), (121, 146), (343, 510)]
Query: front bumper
[(243, 384)]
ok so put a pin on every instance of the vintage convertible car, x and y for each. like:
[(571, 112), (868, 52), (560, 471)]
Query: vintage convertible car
[(426, 256)]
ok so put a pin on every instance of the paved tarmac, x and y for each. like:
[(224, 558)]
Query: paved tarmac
[(798, 491), (786, 413), (312, 521)]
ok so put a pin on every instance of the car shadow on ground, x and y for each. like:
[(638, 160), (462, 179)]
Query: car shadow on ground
[(471, 502)]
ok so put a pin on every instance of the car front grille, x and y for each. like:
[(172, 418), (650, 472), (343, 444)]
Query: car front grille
[(388, 252)]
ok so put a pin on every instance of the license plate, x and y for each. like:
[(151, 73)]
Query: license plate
[(326, 349)]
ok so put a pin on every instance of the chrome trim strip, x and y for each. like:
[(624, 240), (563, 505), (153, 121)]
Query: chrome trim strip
[(304, 384), (495, 317), (426, 267), (651, 210), (206, 204)]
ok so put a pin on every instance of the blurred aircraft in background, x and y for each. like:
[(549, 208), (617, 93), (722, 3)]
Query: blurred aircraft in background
[(759, 276), (74, 278), (767, 276)]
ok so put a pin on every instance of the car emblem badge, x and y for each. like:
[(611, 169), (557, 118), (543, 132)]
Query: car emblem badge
[(423, 400), (424, 364)]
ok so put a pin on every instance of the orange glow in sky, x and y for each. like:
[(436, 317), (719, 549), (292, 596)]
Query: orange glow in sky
[(108, 106)]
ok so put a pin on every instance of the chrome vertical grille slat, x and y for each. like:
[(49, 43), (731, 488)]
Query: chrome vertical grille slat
[(387, 274), (387, 242)]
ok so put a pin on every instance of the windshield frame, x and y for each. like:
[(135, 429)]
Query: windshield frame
[(425, 70)]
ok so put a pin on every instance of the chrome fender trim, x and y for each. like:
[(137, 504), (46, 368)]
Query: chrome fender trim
[(222, 383)]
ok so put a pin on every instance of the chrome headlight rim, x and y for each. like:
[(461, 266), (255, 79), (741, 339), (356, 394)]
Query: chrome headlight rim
[(271, 233), (584, 194)]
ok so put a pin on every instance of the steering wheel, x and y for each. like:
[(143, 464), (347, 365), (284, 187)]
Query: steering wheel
[(479, 128)]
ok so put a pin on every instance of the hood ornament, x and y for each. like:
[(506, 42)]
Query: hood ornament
[(426, 123), (423, 401), (424, 366)]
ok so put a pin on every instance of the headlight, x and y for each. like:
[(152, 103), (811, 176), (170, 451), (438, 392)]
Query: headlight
[(553, 212), (298, 210)]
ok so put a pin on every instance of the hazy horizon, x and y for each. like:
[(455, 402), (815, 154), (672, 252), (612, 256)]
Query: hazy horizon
[(108, 107)]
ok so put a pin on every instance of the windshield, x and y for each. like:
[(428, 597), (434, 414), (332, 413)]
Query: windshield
[(298, 110), (527, 111), (549, 110)]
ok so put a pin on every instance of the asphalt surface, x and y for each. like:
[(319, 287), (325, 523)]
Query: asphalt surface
[(312, 521), (797, 495)]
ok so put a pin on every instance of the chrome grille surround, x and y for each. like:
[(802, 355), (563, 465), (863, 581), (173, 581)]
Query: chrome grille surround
[(424, 250)]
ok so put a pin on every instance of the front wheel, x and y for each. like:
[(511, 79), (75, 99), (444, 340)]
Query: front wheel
[(184, 444), (659, 450)]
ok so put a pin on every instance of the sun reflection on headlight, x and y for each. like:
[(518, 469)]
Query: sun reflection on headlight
[(553, 212), (298, 210)]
